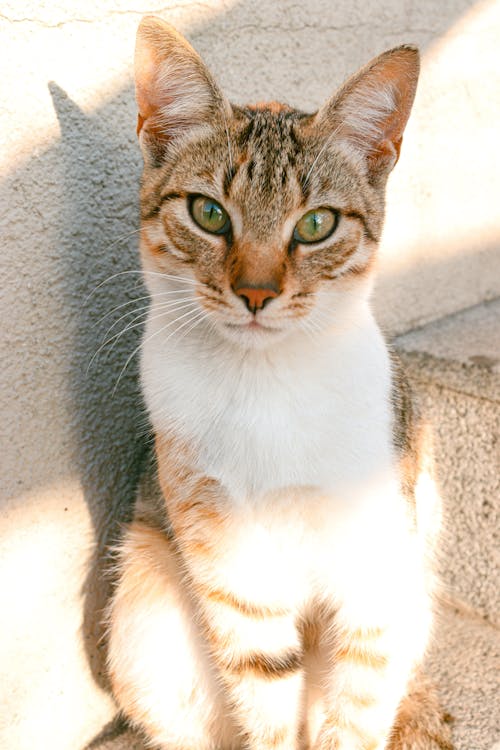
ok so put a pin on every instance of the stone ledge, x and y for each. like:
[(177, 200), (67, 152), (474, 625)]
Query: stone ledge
[(463, 662), (460, 351), (454, 366)]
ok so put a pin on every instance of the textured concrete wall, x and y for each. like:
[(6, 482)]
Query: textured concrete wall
[(68, 179)]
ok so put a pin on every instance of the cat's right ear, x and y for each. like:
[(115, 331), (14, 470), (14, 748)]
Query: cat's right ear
[(370, 111), (176, 95)]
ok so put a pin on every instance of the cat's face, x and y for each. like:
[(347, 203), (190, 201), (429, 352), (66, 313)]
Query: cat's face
[(262, 220)]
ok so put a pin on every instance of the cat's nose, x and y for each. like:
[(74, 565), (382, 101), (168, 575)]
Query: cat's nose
[(255, 298)]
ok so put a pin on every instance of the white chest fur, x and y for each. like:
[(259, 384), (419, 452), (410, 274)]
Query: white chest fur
[(301, 439), (315, 415)]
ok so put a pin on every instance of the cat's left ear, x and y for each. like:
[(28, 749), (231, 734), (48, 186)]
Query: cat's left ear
[(176, 95), (370, 111)]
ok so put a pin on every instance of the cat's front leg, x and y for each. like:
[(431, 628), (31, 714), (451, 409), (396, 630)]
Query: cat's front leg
[(258, 654), (259, 657), (371, 662), (253, 641), (254, 646), (363, 690)]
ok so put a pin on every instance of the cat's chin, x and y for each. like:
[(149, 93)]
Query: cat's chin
[(252, 335)]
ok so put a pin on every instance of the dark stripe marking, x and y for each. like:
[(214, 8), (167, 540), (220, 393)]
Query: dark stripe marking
[(229, 176), (172, 237), (246, 608), (359, 653), (359, 217), (152, 212), (171, 196), (269, 666)]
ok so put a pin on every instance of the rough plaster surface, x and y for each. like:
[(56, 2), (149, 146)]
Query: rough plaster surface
[(69, 169)]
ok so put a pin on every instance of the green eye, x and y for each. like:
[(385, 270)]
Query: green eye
[(209, 215), (315, 225)]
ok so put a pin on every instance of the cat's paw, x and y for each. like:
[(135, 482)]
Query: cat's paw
[(421, 724)]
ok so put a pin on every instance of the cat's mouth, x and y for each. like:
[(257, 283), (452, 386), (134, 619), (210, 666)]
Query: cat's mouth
[(253, 325), (252, 334)]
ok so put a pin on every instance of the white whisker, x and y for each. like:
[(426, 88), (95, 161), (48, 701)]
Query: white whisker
[(119, 307), (170, 276), (325, 145), (140, 273), (307, 327), (153, 335), (152, 306), (203, 316), (173, 307), (123, 237), (230, 154), (139, 299)]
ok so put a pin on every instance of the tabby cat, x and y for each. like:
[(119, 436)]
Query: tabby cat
[(275, 591)]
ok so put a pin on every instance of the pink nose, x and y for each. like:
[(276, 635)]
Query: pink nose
[(255, 298)]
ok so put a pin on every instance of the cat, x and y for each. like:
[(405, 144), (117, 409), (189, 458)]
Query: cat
[(275, 587)]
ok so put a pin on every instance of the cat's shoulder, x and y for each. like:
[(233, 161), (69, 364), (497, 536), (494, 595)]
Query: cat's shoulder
[(412, 429)]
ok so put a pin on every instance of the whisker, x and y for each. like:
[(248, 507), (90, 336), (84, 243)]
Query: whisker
[(170, 276), (320, 322), (321, 316), (325, 145), (155, 305), (304, 324), (140, 273), (154, 297), (119, 307), (170, 307), (123, 237), (153, 335), (230, 154), (204, 315), (133, 324), (138, 299)]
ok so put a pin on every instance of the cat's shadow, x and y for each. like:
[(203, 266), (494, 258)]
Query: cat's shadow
[(100, 208)]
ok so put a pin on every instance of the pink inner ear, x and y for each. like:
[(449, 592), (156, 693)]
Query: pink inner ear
[(385, 153), (395, 74), (373, 107), (392, 130), (397, 145), (148, 91), (145, 74)]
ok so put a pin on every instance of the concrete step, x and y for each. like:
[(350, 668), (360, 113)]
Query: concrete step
[(454, 365), (464, 663)]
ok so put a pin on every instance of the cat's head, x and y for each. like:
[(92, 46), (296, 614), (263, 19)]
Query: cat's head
[(262, 220)]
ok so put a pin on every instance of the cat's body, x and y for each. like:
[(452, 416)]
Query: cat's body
[(277, 591)]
